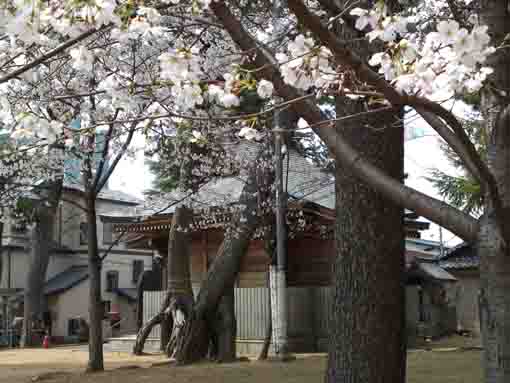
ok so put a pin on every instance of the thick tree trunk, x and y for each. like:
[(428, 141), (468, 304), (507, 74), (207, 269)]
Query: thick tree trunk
[(179, 279), (494, 239), (195, 340), (178, 302), (96, 309), (225, 328), (40, 252), (367, 327)]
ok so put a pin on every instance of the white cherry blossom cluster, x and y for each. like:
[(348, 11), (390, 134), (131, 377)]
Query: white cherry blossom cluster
[(447, 61), (305, 65)]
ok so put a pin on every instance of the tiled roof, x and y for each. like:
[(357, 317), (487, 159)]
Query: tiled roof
[(62, 281), (304, 181), (66, 280), (129, 294), (462, 256), (108, 194)]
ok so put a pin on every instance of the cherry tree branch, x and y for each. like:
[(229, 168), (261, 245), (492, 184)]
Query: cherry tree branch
[(437, 211), (101, 182), (50, 54), (344, 55)]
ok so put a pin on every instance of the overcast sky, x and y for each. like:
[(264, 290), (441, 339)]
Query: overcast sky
[(422, 153)]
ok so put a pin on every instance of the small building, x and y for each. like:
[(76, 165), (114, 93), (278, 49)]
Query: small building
[(311, 249), (463, 262), (66, 285)]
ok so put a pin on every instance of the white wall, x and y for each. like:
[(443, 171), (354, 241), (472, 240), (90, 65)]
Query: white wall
[(70, 304)]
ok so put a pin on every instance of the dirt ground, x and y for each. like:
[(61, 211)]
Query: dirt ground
[(65, 365)]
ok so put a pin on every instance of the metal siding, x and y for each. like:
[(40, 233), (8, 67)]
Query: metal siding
[(252, 311)]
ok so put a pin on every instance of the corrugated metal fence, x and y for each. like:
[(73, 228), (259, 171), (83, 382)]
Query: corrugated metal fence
[(308, 309)]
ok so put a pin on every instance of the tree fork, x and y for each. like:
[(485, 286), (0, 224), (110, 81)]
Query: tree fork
[(221, 276)]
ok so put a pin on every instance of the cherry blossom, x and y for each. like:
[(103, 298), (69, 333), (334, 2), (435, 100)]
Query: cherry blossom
[(265, 89)]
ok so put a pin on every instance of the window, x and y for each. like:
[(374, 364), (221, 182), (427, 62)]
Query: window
[(137, 269), (112, 280), (107, 307), (84, 233), (107, 233)]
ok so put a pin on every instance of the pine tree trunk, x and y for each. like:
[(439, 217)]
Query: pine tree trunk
[(96, 309), (494, 240)]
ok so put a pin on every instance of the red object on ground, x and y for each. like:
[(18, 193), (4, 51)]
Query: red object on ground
[(46, 342)]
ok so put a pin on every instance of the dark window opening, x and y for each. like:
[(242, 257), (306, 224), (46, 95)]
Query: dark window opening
[(73, 327), (84, 229), (137, 270), (112, 280)]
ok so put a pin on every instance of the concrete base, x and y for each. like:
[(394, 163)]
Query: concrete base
[(248, 347), (126, 343)]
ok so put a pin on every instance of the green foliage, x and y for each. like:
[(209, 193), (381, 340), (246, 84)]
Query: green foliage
[(463, 191), (166, 172)]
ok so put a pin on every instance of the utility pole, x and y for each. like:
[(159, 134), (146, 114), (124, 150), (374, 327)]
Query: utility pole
[(278, 282)]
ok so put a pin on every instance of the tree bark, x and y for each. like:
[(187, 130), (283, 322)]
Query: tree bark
[(146, 329), (225, 328), (437, 211), (39, 257), (96, 308), (179, 296), (367, 327), (494, 239), (179, 279), (367, 322), (41, 247), (195, 338)]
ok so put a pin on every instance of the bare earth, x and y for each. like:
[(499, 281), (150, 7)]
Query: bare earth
[(65, 365)]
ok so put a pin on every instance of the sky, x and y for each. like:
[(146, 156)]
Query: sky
[(422, 153)]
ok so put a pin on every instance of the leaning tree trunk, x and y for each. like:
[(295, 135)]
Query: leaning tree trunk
[(494, 240), (179, 279), (179, 296), (96, 308), (195, 339)]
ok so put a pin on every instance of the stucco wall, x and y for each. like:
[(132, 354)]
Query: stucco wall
[(72, 303)]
